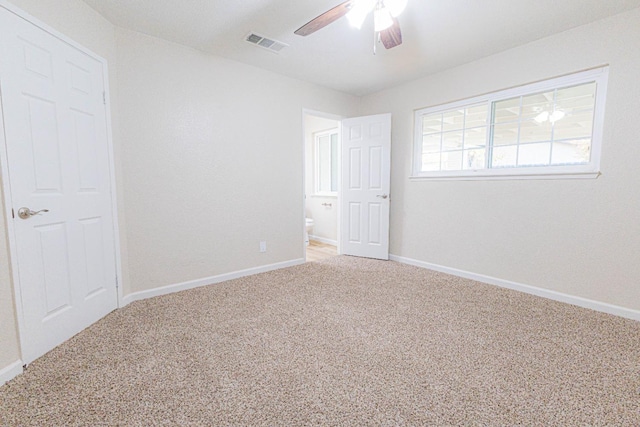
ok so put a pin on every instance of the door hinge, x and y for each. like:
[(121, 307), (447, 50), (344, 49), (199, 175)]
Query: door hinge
[(104, 97), (117, 284)]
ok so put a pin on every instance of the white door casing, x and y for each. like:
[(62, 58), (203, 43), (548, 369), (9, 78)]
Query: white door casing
[(365, 186), (58, 157)]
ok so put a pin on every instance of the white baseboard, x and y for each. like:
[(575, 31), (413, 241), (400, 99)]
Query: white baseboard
[(10, 372), (324, 240), (169, 289), (533, 290)]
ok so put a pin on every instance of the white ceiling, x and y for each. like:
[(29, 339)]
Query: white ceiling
[(438, 34)]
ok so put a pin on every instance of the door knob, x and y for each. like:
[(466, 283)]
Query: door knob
[(382, 196), (26, 213)]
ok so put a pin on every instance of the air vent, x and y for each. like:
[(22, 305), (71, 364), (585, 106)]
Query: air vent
[(265, 43)]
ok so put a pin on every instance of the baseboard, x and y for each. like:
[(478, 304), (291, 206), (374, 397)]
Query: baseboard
[(324, 240), (533, 290), (169, 289), (10, 372)]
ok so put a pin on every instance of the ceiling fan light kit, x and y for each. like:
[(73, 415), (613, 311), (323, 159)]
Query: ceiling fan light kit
[(359, 11), (386, 26), (381, 19)]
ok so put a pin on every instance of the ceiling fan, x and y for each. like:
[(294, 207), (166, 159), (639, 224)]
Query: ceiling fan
[(385, 14)]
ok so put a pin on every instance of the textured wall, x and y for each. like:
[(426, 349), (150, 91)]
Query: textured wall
[(580, 237), (213, 161), (78, 21), (209, 162)]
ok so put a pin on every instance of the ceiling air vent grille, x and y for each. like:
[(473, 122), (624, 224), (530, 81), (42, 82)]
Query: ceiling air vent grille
[(265, 43)]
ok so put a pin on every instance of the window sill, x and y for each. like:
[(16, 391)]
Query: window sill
[(325, 195), (484, 176)]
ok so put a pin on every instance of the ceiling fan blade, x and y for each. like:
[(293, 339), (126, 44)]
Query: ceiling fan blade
[(392, 36), (325, 19)]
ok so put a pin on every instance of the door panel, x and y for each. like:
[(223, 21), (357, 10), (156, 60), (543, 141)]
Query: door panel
[(355, 168), (375, 219), (354, 222), (58, 156), (366, 147)]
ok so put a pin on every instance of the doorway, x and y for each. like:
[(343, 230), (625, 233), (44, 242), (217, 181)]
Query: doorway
[(322, 133), (57, 177)]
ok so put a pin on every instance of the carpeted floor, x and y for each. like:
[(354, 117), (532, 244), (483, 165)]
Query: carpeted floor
[(342, 342)]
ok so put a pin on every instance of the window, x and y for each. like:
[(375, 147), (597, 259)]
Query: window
[(546, 129), (326, 162)]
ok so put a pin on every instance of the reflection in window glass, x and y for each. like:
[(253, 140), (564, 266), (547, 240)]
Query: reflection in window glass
[(504, 157), (537, 123), (451, 132), (452, 141), (571, 152), (532, 131), (536, 126), (473, 159), (534, 154), (452, 161)]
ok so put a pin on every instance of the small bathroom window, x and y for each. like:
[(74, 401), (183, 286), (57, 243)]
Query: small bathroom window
[(326, 162)]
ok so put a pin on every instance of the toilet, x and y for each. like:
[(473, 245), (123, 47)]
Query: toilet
[(307, 229)]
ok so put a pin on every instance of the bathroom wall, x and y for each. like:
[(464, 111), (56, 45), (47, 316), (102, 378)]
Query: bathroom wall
[(325, 218)]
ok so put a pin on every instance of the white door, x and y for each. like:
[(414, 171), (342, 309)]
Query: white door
[(366, 169), (57, 151)]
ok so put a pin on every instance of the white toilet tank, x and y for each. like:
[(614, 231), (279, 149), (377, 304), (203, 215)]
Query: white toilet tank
[(308, 229)]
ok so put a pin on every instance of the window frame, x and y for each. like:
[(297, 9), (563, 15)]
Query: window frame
[(316, 160), (590, 170)]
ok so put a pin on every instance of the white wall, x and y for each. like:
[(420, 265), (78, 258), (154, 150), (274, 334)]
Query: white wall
[(208, 158), (579, 237), (84, 25), (325, 217), (209, 162), (213, 161)]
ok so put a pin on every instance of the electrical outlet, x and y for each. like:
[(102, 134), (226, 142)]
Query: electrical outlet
[(263, 246)]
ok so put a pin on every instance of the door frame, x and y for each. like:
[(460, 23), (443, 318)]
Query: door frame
[(6, 184), (330, 116)]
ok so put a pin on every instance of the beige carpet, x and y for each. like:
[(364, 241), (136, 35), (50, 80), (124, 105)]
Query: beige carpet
[(343, 342)]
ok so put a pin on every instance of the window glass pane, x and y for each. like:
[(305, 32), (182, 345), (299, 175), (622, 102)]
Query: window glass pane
[(539, 125), (532, 131), (473, 159), (451, 161), (506, 111), (536, 105), (431, 143), (476, 116), (475, 138), (334, 162), (431, 162), (534, 154), (574, 126), (505, 134), (571, 152), (504, 157), (324, 163), (432, 123), (575, 98), (451, 141), (453, 120)]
